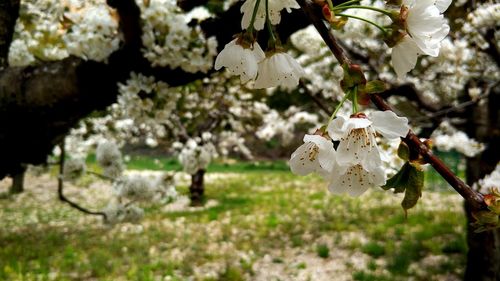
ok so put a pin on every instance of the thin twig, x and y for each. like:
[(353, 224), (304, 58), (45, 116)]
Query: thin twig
[(104, 177), (60, 187), (474, 198), (315, 99)]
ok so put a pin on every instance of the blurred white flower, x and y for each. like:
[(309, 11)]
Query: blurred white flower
[(110, 158), (489, 181), (74, 168), (275, 7), (447, 137)]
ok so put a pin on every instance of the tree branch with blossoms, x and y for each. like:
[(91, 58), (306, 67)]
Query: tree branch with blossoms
[(473, 197), (355, 163)]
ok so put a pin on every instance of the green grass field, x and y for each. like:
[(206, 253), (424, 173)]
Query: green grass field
[(269, 225)]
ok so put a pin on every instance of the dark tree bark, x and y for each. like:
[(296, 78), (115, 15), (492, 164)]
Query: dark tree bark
[(197, 188), (483, 257), (18, 181), (9, 11), (39, 105)]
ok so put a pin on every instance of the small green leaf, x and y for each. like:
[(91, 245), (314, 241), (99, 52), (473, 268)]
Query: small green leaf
[(375, 86), (404, 151), (413, 188), (398, 181), (410, 180)]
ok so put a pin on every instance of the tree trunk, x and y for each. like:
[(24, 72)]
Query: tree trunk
[(18, 181), (197, 188), (483, 257)]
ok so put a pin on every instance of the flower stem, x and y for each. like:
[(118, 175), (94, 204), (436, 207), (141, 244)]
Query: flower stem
[(365, 20), (272, 38), (355, 100), (347, 3), (346, 96), (254, 15), (330, 4), (385, 12)]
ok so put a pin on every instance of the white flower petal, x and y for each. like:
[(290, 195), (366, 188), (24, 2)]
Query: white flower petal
[(442, 5), (404, 56), (326, 154), (336, 129), (239, 60), (279, 69), (301, 162), (389, 124), (426, 24)]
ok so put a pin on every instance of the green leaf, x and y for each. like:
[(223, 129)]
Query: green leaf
[(404, 151), (413, 188), (410, 180), (375, 86), (398, 181)]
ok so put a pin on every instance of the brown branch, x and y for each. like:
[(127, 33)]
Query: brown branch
[(9, 12), (474, 198), (315, 99), (60, 187), (101, 176)]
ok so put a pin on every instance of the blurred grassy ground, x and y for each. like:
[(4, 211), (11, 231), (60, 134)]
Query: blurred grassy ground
[(265, 222)]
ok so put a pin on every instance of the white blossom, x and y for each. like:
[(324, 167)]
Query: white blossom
[(278, 69), (74, 168), (93, 34), (426, 27), (404, 56), (355, 180), (447, 138), (357, 137), (489, 181), (275, 7), (426, 24), (315, 155), (119, 213), (135, 188), (240, 60), (110, 158)]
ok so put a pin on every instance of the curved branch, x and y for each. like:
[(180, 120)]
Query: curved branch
[(60, 187), (474, 198)]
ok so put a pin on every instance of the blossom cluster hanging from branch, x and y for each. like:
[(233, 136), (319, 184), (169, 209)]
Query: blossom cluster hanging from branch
[(344, 151)]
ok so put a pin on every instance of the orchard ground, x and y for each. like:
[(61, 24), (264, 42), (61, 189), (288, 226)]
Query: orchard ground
[(260, 222)]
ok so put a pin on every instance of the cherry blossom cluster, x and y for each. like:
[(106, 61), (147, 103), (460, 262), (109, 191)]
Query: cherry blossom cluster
[(447, 138), (284, 124), (196, 153), (38, 33), (244, 57), (53, 30), (356, 164), (110, 158), (489, 182), (169, 41), (92, 32), (128, 189)]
